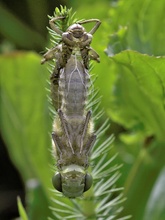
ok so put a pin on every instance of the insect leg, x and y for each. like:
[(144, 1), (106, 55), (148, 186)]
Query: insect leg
[(65, 128), (90, 144), (93, 30), (85, 129), (54, 27), (94, 55), (57, 142), (54, 88), (50, 54)]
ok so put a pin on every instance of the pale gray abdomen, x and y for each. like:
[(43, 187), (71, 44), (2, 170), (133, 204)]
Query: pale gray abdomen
[(73, 88)]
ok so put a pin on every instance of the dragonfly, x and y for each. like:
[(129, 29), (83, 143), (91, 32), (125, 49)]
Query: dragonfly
[(73, 39), (73, 134)]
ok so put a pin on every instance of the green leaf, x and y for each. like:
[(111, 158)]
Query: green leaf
[(137, 103), (156, 204), (138, 95), (142, 178), (24, 120), (144, 20), (19, 33), (24, 113), (21, 209), (117, 42), (38, 207)]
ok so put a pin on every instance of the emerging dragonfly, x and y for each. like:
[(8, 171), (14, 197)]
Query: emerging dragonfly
[(72, 135)]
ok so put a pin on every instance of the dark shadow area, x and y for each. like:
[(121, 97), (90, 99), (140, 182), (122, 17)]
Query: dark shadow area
[(11, 186)]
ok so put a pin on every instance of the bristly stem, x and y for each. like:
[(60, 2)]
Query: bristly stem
[(99, 202)]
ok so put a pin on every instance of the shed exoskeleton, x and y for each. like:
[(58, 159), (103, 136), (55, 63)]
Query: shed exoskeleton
[(73, 135), (75, 38), (73, 131)]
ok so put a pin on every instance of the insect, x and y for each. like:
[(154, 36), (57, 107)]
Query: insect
[(72, 135), (73, 131), (74, 40)]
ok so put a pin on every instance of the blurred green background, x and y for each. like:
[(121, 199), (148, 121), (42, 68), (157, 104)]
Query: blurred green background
[(131, 80)]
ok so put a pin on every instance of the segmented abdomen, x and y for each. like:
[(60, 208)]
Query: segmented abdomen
[(73, 88)]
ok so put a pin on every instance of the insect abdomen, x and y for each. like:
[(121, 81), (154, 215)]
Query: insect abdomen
[(73, 88)]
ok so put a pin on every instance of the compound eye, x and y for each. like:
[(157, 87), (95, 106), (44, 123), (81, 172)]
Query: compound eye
[(56, 180), (88, 182)]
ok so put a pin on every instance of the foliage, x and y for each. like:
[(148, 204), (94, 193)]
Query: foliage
[(22, 210), (132, 84)]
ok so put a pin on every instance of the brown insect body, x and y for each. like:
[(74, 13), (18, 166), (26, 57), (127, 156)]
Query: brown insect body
[(73, 90), (75, 37), (73, 128), (73, 87)]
